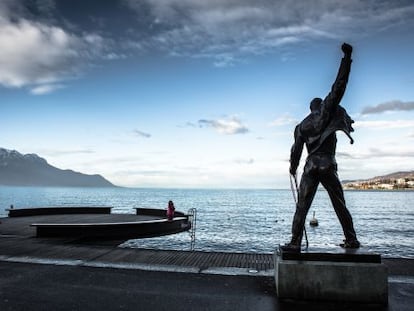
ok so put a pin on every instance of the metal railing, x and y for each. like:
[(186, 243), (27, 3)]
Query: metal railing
[(192, 218)]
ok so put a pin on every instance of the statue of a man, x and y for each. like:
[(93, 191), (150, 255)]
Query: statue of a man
[(318, 132)]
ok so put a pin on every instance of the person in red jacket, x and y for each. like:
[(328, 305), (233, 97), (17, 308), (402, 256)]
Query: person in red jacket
[(170, 210)]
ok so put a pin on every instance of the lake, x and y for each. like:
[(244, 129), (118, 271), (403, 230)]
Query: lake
[(244, 220)]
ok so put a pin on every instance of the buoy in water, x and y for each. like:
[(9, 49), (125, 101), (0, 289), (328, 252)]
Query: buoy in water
[(313, 222)]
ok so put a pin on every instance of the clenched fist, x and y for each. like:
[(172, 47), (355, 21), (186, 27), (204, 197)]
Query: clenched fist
[(347, 49)]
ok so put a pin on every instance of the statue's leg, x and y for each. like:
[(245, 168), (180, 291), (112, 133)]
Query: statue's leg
[(332, 184), (307, 190)]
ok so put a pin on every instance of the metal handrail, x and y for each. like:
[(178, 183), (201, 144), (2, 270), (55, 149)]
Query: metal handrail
[(192, 217)]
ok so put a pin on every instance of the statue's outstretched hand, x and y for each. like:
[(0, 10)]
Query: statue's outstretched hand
[(347, 49)]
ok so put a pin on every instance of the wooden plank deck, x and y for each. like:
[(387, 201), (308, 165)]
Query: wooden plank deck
[(18, 242), (66, 250)]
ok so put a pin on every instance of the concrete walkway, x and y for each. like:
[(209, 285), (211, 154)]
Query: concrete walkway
[(51, 287)]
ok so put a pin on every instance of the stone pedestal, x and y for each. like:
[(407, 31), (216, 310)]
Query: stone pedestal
[(335, 276)]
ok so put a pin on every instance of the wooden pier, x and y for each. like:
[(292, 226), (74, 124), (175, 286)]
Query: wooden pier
[(19, 242)]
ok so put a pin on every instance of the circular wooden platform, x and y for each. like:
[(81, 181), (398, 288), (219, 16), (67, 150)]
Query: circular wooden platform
[(91, 222)]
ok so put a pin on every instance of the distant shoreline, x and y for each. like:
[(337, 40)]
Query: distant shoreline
[(195, 189), (381, 190)]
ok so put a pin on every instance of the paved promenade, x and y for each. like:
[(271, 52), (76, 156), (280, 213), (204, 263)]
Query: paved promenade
[(27, 286)]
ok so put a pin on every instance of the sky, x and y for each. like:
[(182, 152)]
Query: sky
[(202, 94)]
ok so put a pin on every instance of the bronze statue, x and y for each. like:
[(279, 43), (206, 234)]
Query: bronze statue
[(318, 132)]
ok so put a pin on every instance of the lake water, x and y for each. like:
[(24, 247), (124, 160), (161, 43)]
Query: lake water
[(244, 220)]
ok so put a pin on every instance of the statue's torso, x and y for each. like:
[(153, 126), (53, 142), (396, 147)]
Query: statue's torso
[(311, 129)]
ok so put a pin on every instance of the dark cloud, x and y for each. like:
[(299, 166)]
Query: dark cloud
[(225, 30), (395, 105), (189, 124), (41, 50), (142, 134), (46, 43)]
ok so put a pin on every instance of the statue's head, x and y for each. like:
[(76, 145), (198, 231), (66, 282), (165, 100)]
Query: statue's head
[(315, 104)]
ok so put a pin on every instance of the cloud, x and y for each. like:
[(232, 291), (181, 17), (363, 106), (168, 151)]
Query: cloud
[(395, 105), (244, 161), (376, 153), (224, 60), (228, 126), (286, 119), (227, 30), (384, 124), (345, 155), (223, 30), (33, 53), (142, 134), (40, 55), (187, 124), (57, 153), (41, 46), (45, 89)]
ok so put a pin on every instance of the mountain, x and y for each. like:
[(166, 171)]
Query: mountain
[(18, 169), (396, 175), (391, 176)]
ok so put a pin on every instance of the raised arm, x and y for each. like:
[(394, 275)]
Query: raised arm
[(338, 88)]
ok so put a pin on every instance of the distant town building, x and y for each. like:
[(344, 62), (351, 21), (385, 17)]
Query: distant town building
[(382, 183)]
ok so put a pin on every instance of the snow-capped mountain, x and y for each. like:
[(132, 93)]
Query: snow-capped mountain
[(13, 155), (18, 169)]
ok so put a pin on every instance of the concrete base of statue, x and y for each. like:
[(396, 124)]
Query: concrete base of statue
[(341, 275)]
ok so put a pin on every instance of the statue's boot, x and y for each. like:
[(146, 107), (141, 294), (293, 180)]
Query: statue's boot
[(293, 246), (350, 244)]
